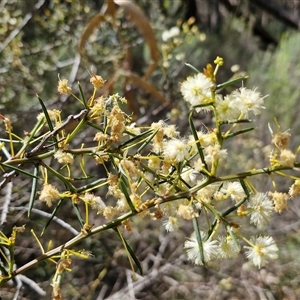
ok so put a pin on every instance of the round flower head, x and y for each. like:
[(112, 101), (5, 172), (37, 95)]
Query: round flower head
[(206, 194), (295, 189), (197, 90), (210, 249), (280, 201), (247, 100), (281, 139), (186, 212), (227, 248), (172, 224), (97, 81), (49, 194), (64, 157), (63, 88), (261, 208), (287, 158), (176, 150), (226, 108), (263, 249), (234, 190), (94, 201)]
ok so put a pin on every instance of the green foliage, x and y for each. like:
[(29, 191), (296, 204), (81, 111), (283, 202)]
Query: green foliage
[(282, 67)]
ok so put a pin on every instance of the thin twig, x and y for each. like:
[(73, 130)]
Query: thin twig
[(47, 215), (6, 203), (130, 285), (71, 119), (33, 285), (7, 178), (19, 286)]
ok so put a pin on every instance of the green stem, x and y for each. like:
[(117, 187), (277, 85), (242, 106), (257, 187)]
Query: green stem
[(70, 244)]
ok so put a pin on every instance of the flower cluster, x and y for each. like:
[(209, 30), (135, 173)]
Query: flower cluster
[(185, 167), (155, 172), (198, 90)]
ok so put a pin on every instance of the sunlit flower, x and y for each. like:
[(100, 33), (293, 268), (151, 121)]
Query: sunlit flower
[(49, 194), (64, 157), (122, 204), (116, 120), (263, 250), (207, 138), (281, 139), (100, 137), (63, 87), (210, 249), (234, 190), (206, 194), (53, 114), (98, 107), (94, 201), (204, 139), (172, 223), (186, 212), (170, 131), (158, 125), (247, 100), (287, 158), (157, 141), (227, 248), (261, 208), (226, 108), (280, 201), (97, 81), (198, 165), (176, 150), (136, 200), (129, 167), (109, 212), (219, 61), (197, 90), (100, 158), (154, 162), (295, 189)]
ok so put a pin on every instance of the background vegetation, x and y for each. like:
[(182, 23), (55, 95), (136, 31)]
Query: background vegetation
[(41, 39)]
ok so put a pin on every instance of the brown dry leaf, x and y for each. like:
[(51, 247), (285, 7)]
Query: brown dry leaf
[(142, 23), (138, 17), (142, 83), (111, 8), (93, 23)]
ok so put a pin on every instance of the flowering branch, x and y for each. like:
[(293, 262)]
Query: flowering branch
[(152, 172)]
